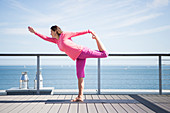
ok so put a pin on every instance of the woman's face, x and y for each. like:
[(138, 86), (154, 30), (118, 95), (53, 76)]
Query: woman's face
[(53, 34)]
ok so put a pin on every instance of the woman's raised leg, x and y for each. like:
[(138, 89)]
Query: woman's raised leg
[(99, 43)]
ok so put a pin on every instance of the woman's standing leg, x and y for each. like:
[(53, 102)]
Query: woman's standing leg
[(80, 65), (81, 87)]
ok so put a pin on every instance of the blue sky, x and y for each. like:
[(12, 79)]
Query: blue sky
[(124, 26)]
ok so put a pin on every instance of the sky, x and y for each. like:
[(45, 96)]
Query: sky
[(124, 26)]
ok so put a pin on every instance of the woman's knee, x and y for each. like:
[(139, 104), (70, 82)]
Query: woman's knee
[(105, 54)]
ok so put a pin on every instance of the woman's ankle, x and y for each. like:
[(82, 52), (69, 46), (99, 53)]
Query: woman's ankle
[(80, 96)]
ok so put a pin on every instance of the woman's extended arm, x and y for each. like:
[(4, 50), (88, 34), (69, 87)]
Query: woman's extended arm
[(73, 34), (41, 36)]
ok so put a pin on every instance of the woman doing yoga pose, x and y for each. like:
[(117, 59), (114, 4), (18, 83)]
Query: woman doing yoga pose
[(74, 51)]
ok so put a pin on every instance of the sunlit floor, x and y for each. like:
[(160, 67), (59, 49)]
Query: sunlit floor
[(122, 104)]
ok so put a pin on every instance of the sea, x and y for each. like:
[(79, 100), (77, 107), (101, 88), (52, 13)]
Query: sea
[(64, 77)]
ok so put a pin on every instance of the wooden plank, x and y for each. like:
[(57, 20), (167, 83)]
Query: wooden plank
[(61, 97), (11, 107), (141, 106), (101, 97), (163, 98), (156, 107), (28, 108), (157, 99), (100, 108), (64, 107), (164, 106), (37, 108), (128, 108), (167, 107), (147, 98), (118, 108), (128, 97), (115, 97), (108, 96), (91, 108), (68, 97), (88, 96), (161, 106), (18, 106), (55, 108), (137, 108), (54, 97), (145, 108), (122, 107), (95, 97), (122, 97), (82, 108), (39, 105), (30, 105), (46, 107), (110, 108), (73, 108), (9, 98), (6, 105)]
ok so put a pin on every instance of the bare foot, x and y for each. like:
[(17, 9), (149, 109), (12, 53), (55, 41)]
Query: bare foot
[(77, 99)]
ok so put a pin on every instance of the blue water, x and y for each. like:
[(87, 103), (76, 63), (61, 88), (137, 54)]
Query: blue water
[(112, 77)]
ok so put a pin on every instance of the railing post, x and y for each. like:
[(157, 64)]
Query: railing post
[(38, 73), (160, 76), (98, 75)]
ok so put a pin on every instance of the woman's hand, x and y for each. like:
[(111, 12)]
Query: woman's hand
[(93, 33), (94, 36), (31, 29)]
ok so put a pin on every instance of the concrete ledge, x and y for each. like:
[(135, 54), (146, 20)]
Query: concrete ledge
[(43, 91)]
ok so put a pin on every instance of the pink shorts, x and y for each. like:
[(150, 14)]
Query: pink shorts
[(81, 60)]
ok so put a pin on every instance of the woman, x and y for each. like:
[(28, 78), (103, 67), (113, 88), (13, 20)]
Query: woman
[(74, 51)]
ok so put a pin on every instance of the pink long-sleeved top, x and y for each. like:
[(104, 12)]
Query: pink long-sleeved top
[(65, 43)]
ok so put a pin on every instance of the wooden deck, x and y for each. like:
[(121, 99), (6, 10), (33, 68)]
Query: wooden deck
[(36, 103)]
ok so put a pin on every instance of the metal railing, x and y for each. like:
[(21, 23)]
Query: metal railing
[(99, 65)]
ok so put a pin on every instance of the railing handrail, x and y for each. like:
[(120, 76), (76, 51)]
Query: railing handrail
[(44, 54)]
